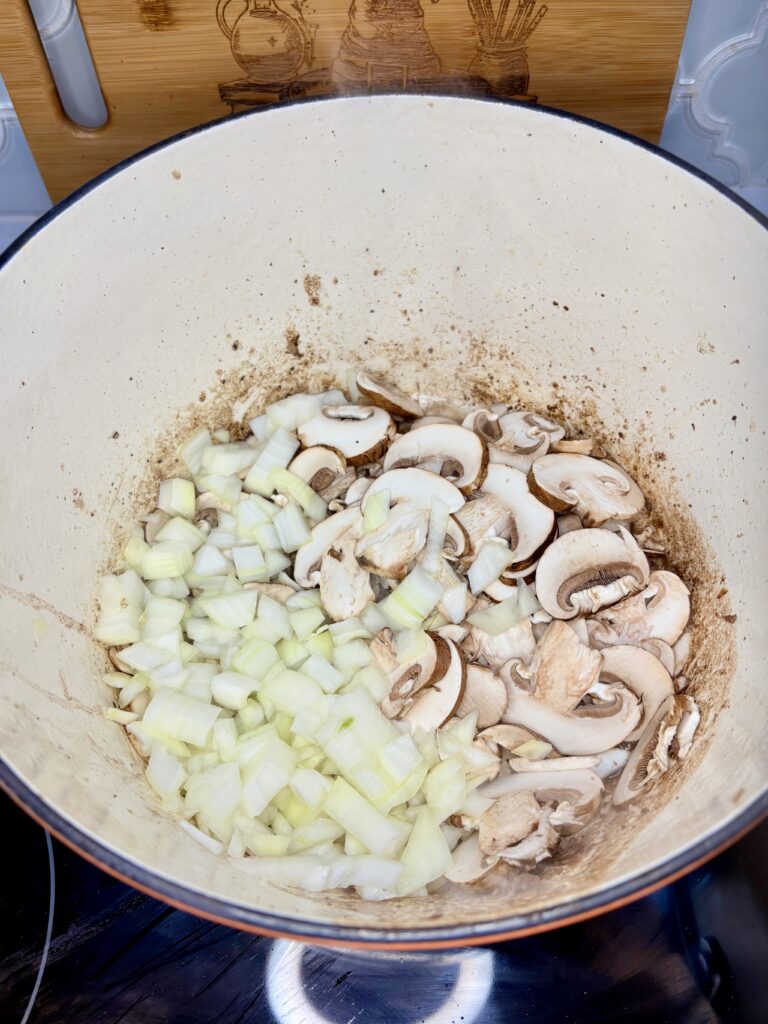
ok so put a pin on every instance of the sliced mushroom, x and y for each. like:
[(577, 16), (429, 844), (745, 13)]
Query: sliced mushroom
[(588, 730), (387, 396), (516, 643), (389, 550), (417, 487), (356, 490), (567, 523), (449, 445), (469, 862), (686, 730), (360, 432), (671, 729), (536, 847), (318, 466), (483, 422), (453, 631), (324, 536), (154, 522), (456, 543), (279, 592), (345, 587), (660, 612), (563, 667), (484, 693), (661, 650), (484, 517), (408, 679), (439, 702), (533, 523), (581, 789), (579, 627), (554, 764), (515, 673), (523, 438), (573, 446), (508, 820), (596, 489), (682, 652), (507, 736), (587, 569), (635, 776)]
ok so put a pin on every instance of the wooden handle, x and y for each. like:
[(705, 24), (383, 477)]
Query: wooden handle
[(221, 17)]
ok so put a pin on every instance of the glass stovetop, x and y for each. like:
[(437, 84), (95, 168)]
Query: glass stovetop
[(695, 953)]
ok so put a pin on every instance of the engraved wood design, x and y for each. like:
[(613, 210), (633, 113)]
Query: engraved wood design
[(167, 65)]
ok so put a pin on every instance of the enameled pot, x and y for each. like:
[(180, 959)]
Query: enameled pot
[(467, 249)]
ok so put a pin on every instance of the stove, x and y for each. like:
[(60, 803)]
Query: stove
[(694, 953)]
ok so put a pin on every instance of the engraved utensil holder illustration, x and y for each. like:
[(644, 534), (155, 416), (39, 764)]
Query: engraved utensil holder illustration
[(504, 65)]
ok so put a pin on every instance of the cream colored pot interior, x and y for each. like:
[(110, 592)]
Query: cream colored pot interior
[(466, 249)]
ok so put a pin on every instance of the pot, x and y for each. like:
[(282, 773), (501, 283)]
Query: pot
[(468, 249)]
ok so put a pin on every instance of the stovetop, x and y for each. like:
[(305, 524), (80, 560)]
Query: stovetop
[(694, 953)]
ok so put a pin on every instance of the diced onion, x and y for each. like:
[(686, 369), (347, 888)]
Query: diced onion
[(490, 562), (499, 617), (177, 498)]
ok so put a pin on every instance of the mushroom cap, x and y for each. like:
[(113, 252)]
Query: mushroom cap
[(567, 522), (323, 537), (390, 548), (387, 396), (517, 643), (581, 789), (318, 466), (524, 436), (587, 569), (589, 730), (483, 422), (409, 678), (345, 587), (573, 446), (444, 443), (357, 489), (533, 523), (507, 736), (660, 612), (536, 847), (508, 820), (554, 764), (635, 776), (484, 693), (360, 432), (416, 486), (596, 489), (439, 701), (563, 667), (484, 517)]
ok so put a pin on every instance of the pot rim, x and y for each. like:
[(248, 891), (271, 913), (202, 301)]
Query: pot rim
[(225, 911)]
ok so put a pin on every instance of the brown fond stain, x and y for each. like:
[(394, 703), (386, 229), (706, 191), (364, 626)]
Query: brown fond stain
[(312, 288), (292, 343), (41, 605), (585, 857)]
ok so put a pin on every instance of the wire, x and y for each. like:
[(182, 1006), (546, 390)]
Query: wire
[(48, 933)]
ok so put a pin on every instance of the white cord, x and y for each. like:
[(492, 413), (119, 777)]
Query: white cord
[(49, 931)]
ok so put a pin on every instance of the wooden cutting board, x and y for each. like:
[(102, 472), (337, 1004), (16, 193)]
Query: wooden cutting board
[(167, 65)]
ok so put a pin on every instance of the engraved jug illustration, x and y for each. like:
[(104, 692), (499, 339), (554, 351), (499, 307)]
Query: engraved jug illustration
[(270, 45)]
